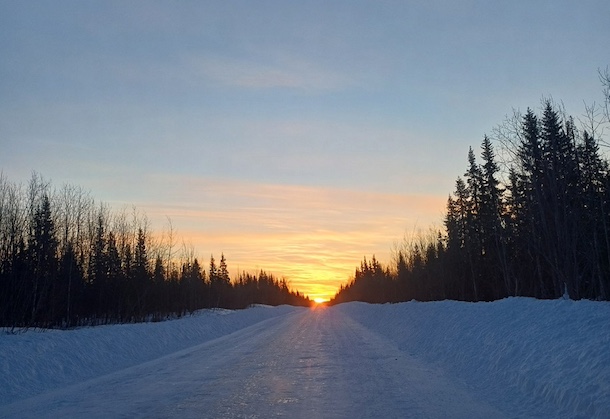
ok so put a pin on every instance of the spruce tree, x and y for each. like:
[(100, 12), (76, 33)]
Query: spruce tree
[(42, 249)]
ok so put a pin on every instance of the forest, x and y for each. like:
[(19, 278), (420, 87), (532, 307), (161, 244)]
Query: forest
[(534, 223), (68, 261)]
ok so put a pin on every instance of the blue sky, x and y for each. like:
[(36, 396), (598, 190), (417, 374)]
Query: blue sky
[(347, 122)]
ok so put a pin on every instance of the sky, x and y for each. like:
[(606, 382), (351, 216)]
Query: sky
[(294, 137)]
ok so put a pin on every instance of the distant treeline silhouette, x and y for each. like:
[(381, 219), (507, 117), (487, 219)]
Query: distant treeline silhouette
[(66, 261), (544, 232)]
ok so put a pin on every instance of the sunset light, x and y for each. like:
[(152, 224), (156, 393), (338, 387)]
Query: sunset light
[(335, 209), (292, 141), (314, 237)]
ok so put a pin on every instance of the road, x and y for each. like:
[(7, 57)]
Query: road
[(307, 364)]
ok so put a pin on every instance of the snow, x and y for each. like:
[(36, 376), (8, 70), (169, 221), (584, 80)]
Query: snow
[(511, 358), (38, 361), (528, 357)]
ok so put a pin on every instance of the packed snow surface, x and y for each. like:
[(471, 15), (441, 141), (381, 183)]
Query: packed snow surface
[(512, 358)]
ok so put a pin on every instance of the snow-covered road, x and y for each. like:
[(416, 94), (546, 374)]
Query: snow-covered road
[(308, 363)]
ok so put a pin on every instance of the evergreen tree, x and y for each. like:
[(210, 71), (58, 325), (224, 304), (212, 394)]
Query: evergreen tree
[(593, 252), (42, 249), (494, 258), (560, 198), (213, 272), (141, 275), (71, 284), (223, 272), (528, 192)]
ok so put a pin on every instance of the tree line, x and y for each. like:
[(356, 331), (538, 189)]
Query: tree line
[(66, 261), (535, 223)]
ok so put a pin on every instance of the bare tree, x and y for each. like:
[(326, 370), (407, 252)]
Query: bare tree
[(604, 77)]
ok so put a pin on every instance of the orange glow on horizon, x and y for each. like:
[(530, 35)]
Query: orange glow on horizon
[(314, 237)]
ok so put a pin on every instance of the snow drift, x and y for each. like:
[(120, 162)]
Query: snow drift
[(37, 361), (553, 355)]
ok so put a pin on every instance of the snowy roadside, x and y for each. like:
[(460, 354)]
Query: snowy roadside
[(545, 353), (37, 361)]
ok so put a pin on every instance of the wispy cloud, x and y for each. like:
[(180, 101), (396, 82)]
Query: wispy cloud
[(203, 71), (314, 236), (282, 71)]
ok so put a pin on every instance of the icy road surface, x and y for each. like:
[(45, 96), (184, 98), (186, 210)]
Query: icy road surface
[(305, 364)]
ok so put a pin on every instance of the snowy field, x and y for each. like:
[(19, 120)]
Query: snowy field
[(512, 358)]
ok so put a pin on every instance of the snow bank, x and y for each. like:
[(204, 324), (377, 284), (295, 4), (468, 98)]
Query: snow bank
[(552, 356), (36, 361)]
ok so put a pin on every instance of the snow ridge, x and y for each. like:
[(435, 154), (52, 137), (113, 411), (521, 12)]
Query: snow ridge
[(551, 356), (37, 361)]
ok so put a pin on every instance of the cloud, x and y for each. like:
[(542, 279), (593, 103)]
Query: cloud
[(282, 71), (186, 73), (314, 236)]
